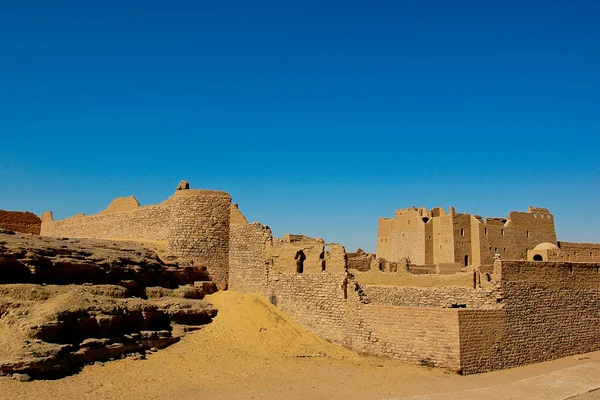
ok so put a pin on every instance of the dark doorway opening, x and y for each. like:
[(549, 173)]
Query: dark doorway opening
[(300, 257)]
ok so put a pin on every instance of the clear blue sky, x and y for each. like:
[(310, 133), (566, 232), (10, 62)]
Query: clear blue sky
[(318, 117)]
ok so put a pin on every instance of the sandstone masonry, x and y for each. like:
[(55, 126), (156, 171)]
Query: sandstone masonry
[(193, 223)]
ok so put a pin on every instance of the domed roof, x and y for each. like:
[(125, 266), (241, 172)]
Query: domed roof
[(546, 246)]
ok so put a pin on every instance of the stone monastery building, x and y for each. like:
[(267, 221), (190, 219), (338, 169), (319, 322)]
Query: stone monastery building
[(426, 237)]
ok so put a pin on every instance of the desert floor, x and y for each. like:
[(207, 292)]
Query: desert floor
[(253, 351)]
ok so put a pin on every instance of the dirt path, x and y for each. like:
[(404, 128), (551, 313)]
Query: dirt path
[(252, 351)]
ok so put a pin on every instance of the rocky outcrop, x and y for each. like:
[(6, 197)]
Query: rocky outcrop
[(65, 303), (52, 331), (56, 261), (24, 222)]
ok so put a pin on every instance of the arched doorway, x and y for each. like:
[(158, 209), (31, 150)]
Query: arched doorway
[(538, 257)]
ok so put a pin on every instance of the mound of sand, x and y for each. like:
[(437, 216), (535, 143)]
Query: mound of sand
[(249, 326)]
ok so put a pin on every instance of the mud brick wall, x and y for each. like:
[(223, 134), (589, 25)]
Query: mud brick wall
[(316, 301), (482, 340), (194, 223), (550, 310), (360, 263), (579, 252), (322, 303), (248, 265), (319, 256), (411, 334), (441, 297), (24, 222), (199, 229), (149, 222)]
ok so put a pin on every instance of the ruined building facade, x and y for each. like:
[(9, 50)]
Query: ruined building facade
[(434, 236), (526, 307)]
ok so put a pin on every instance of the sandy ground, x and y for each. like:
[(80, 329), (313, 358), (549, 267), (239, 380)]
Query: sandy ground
[(252, 351)]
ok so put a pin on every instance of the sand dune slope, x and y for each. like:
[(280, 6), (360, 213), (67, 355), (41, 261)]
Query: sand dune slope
[(249, 326)]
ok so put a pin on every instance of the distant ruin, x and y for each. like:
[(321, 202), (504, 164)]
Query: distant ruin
[(17, 221), (456, 240), (194, 224), (445, 289), (427, 237)]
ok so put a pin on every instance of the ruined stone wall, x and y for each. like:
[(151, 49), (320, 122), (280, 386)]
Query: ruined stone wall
[(149, 223), (440, 297), (378, 278), (122, 204), (549, 310), (319, 256), (236, 217), (577, 252), (315, 300), (194, 223), (329, 306), (360, 261), (199, 229), (422, 269), (248, 257), (332, 305), (16, 221)]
